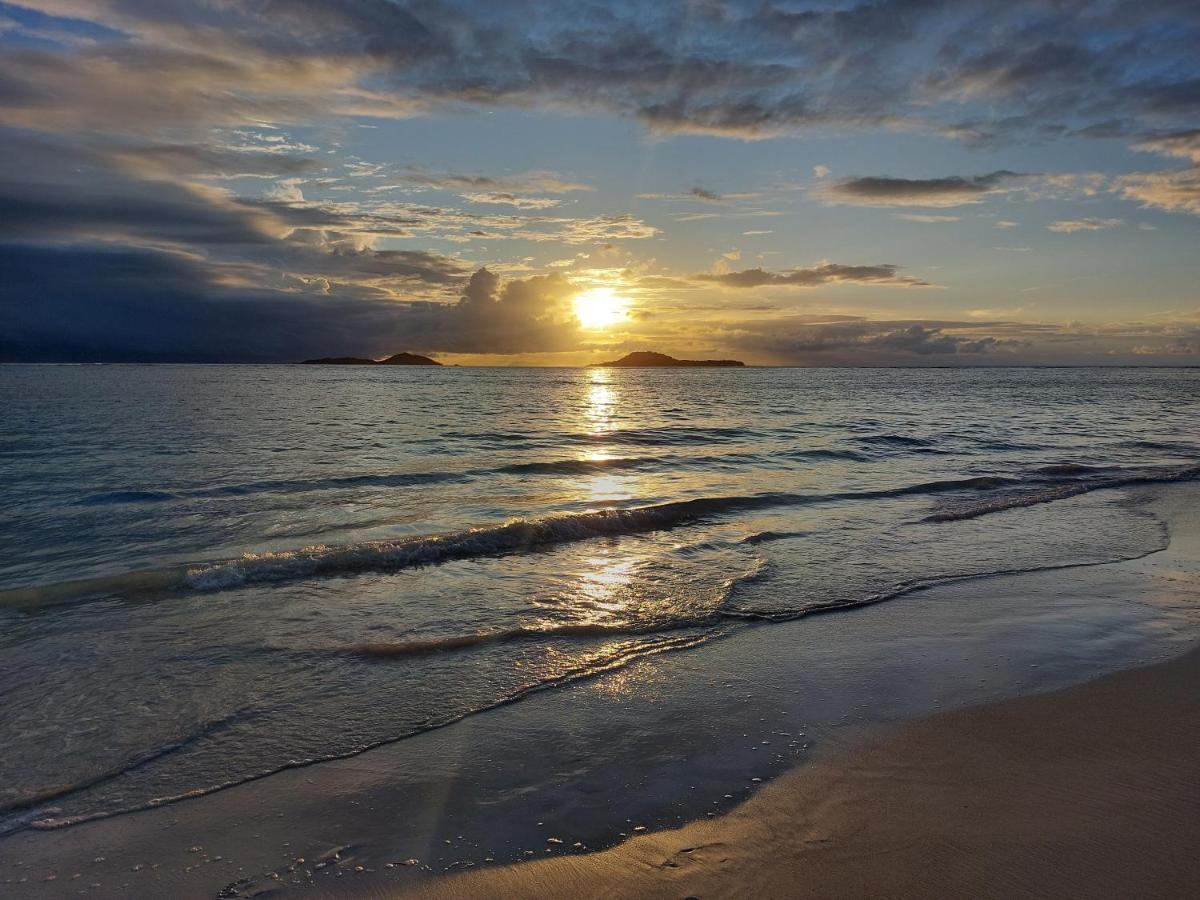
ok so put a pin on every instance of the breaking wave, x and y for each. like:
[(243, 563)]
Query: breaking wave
[(519, 535)]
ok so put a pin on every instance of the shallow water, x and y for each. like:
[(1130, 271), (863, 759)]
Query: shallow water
[(212, 573)]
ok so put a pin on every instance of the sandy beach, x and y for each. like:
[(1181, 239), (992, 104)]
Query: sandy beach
[(1093, 791), (1085, 784)]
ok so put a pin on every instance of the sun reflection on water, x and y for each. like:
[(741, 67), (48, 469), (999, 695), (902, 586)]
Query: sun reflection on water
[(600, 414), (601, 402), (602, 584)]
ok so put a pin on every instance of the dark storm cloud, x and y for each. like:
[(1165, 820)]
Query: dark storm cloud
[(84, 304), (828, 273), (99, 304), (933, 192)]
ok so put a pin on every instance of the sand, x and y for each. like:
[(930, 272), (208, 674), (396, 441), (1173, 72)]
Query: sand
[(1093, 791)]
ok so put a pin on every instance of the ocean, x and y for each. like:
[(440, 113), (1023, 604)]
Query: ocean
[(213, 573)]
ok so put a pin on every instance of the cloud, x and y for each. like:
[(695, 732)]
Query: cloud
[(210, 161), (76, 304), (1070, 226), (522, 183), (497, 198), (1186, 345), (986, 71), (851, 340), (105, 304), (827, 273), (925, 217), (702, 195), (923, 341), (932, 192), (519, 315), (1182, 144), (990, 338), (602, 229), (1174, 191)]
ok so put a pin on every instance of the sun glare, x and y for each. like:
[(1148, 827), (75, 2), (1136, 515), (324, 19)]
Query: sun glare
[(600, 307)]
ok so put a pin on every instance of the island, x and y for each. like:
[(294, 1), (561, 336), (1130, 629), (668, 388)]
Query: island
[(648, 358), (397, 359)]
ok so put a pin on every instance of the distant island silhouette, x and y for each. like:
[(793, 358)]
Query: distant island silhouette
[(648, 358), (398, 359)]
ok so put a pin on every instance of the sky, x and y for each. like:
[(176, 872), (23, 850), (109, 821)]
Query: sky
[(546, 182)]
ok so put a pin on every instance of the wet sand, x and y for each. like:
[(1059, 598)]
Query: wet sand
[(1093, 791)]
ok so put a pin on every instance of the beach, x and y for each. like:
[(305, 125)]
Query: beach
[(1092, 791), (1064, 765)]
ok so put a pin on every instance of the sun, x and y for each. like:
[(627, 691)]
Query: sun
[(600, 307)]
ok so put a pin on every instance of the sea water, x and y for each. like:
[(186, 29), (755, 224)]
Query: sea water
[(212, 573)]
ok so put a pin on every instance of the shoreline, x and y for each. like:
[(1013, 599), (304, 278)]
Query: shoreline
[(1091, 791), (477, 794)]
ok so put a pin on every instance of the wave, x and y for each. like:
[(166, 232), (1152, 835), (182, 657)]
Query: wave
[(1069, 469), (851, 455), (16, 801), (512, 536), (895, 440), (419, 646), (1060, 492), (527, 534), (577, 466), (521, 535), (516, 535), (125, 584), (766, 537), (913, 586)]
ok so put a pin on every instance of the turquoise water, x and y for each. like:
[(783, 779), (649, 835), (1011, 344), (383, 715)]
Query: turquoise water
[(213, 573)]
